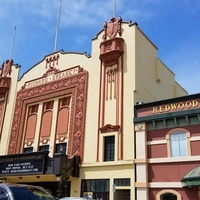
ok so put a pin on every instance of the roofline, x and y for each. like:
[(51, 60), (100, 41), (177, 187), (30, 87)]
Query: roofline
[(167, 101)]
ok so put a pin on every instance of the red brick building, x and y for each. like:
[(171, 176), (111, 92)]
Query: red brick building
[(167, 136)]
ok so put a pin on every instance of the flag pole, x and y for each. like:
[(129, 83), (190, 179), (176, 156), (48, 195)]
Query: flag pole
[(114, 8), (57, 28), (12, 43)]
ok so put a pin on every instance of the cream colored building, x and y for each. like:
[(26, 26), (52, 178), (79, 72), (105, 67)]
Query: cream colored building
[(84, 105)]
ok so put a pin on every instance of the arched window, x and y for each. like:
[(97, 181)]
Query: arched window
[(178, 142), (168, 195)]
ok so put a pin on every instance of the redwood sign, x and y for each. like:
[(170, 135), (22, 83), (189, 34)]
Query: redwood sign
[(175, 106)]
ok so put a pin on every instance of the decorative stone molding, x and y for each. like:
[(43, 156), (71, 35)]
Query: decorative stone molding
[(109, 128), (183, 130), (6, 68), (112, 28), (140, 127), (76, 86), (4, 84), (51, 61), (111, 50), (168, 191)]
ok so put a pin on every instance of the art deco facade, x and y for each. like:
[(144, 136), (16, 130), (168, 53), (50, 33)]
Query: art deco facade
[(83, 107)]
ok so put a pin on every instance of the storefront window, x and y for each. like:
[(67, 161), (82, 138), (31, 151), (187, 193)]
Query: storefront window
[(95, 189)]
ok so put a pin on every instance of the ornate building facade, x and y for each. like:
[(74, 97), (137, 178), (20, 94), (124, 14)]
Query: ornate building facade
[(167, 149), (71, 107)]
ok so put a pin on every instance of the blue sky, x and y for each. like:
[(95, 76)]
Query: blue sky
[(172, 25)]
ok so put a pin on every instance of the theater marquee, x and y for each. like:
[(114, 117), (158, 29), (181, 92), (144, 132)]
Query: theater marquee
[(21, 164)]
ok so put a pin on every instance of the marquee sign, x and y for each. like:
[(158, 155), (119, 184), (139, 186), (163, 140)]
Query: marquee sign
[(21, 164)]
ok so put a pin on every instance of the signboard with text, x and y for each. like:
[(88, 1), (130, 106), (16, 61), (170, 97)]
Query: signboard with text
[(169, 107), (28, 163)]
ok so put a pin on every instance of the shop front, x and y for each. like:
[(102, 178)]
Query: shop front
[(36, 168)]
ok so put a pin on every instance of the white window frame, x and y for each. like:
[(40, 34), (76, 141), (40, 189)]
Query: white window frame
[(179, 130)]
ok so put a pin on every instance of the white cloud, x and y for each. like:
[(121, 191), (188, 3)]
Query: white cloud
[(82, 19), (85, 13)]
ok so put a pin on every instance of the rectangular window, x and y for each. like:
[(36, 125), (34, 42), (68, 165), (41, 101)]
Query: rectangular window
[(95, 188), (28, 149), (109, 148), (48, 106), (33, 109), (44, 148), (122, 182), (64, 102), (61, 148)]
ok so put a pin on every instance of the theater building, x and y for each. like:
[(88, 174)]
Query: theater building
[(167, 139), (76, 108)]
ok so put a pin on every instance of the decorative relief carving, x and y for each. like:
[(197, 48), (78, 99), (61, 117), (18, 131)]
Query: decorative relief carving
[(52, 61), (29, 142), (112, 65), (108, 47), (61, 138), (109, 128), (4, 84), (111, 80), (140, 127), (2, 99), (2, 111), (111, 50), (6, 68), (112, 28), (52, 74), (44, 140), (77, 87)]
